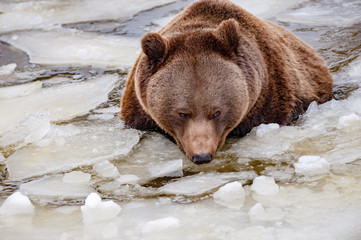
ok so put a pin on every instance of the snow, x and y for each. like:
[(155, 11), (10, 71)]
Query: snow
[(54, 187), (106, 169), (160, 225), (46, 14), (16, 204), (7, 70), (263, 185), (63, 102), (312, 165), (70, 146), (76, 177), (325, 12), (231, 195), (71, 47), (95, 210)]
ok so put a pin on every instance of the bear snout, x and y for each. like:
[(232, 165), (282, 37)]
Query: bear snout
[(201, 158)]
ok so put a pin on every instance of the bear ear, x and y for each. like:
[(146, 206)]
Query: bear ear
[(154, 46), (228, 32)]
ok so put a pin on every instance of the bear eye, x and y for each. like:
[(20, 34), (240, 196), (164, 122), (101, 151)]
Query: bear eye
[(216, 115), (184, 116)]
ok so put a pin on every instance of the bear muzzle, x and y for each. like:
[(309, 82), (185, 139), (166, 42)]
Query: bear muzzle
[(202, 158)]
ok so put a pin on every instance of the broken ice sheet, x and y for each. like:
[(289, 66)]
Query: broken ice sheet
[(202, 183), (72, 47), (66, 147), (63, 102), (54, 187), (325, 12), (22, 15)]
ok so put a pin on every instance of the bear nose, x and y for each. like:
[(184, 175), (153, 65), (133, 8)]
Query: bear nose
[(201, 158)]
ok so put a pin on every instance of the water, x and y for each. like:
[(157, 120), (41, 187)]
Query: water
[(61, 138)]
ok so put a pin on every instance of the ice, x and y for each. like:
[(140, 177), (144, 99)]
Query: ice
[(231, 195), (259, 213), (349, 123), (63, 102), (69, 146), (160, 225), (54, 187), (173, 168), (16, 204), (31, 129), (263, 185), (7, 70), (20, 90), (267, 129), (325, 12), (127, 179), (95, 210), (110, 231), (2, 158), (43, 14), (312, 165), (267, 8), (106, 169), (202, 183), (71, 47), (76, 177)]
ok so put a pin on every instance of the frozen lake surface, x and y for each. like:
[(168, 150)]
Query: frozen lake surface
[(70, 170)]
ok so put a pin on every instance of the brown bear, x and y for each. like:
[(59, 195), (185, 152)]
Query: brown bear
[(216, 70)]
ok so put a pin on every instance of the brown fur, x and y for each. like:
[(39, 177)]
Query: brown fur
[(215, 57)]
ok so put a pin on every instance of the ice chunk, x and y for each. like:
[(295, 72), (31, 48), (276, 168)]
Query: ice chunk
[(160, 225), (263, 185), (17, 204), (258, 212), (108, 110), (63, 102), (312, 165), (349, 123), (202, 183), (266, 128), (90, 144), (231, 195), (95, 210), (31, 129), (171, 168), (267, 8), (76, 177), (106, 169), (20, 90), (55, 187), (53, 48), (127, 179), (42, 14), (7, 70), (325, 12)]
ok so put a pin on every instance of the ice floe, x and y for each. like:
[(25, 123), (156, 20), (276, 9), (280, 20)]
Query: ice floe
[(95, 210), (72, 47), (160, 225), (63, 102), (69, 146), (17, 204), (106, 169), (50, 187), (76, 177), (44, 14), (20, 90)]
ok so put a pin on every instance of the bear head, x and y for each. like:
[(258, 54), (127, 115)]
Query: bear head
[(192, 86)]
